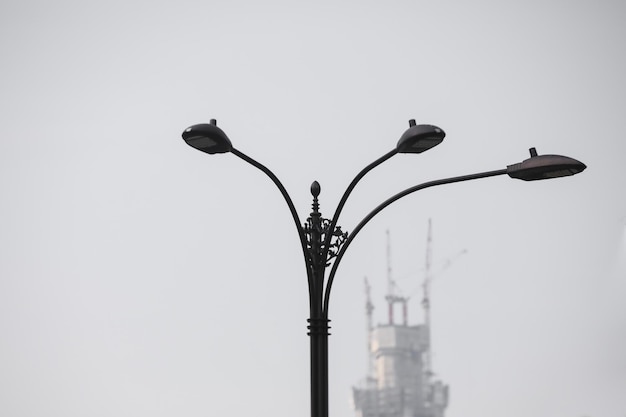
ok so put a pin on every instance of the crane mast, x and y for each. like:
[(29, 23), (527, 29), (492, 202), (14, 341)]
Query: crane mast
[(426, 303), (392, 298), (369, 309)]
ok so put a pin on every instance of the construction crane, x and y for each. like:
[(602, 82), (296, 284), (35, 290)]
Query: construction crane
[(428, 277), (426, 302), (391, 297), (369, 309)]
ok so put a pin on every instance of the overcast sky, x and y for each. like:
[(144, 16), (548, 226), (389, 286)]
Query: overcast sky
[(140, 277)]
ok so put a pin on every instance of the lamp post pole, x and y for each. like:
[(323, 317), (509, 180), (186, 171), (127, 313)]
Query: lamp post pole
[(322, 241), (318, 323)]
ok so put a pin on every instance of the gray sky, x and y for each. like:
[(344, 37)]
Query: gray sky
[(139, 277)]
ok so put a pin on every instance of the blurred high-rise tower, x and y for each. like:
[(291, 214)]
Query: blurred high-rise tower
[(399, 380)]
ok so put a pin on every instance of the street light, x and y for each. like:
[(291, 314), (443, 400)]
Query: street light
[(323, 243)]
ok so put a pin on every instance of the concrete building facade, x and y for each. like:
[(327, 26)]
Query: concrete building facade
[(400, 385)]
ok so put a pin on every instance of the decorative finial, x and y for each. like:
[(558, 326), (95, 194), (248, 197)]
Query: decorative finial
[(533, 152), (213, 122), (412, 123), (315, 189)]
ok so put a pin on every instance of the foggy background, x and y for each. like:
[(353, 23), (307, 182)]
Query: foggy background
[(140, 277)]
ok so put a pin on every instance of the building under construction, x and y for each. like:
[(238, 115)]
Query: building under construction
[(400, 381)]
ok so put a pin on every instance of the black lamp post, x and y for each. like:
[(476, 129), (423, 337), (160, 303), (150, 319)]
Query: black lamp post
[(324, 243)]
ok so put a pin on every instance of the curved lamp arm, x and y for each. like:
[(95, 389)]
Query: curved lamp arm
[(292, 209), (386, 203), (416, 139), (347, 193)]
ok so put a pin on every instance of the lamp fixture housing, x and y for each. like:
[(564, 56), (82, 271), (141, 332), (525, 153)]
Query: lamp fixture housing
[(419, 138), (207, 138), (541, 167)]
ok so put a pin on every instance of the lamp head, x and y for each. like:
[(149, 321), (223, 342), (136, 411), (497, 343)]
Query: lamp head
[(207, 138), (541, 167), (419, 138)]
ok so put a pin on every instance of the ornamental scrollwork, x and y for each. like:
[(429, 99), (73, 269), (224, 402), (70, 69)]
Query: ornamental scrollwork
[(316, 230)]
